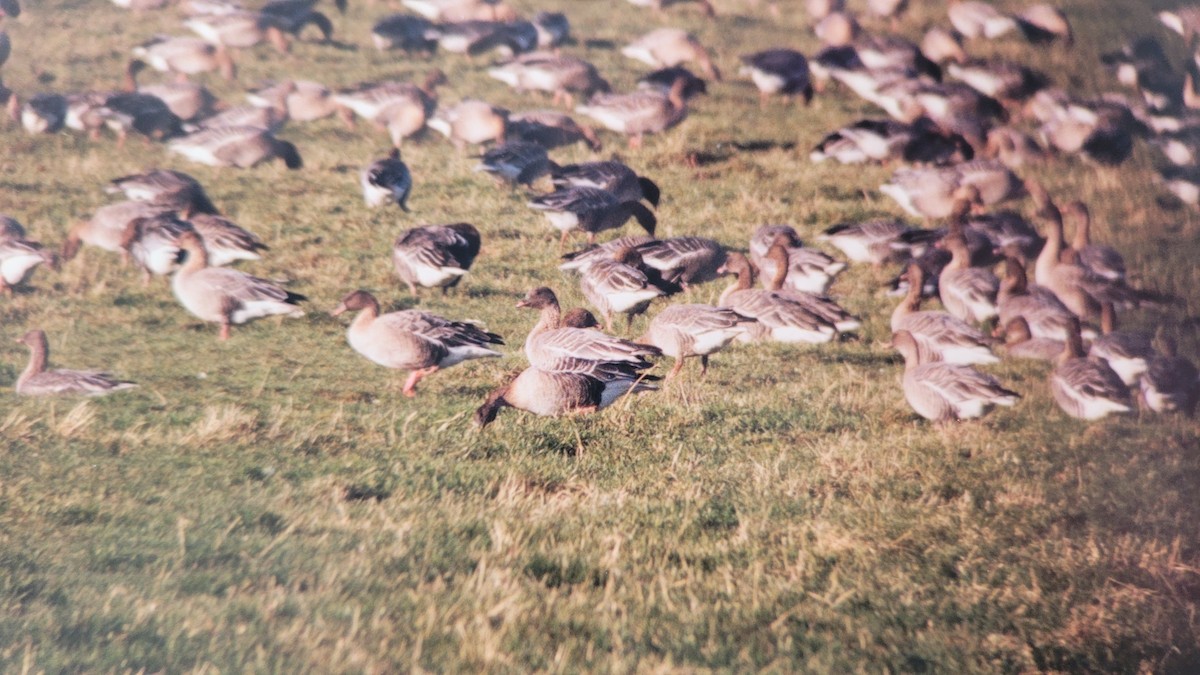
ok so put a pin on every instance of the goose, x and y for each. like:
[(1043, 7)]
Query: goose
[(806, 270), (186, 100), (1019, 342), (1045, 23), (564, 76), (1045, 316), (224, 296), (235, 147), (517, 162), (267, 119), (556, 348), (666, 47), (577, 260), (662, 79), (683, 260), (406, 32), (974, 19), (166, 188), (940, 45), (1179, 148), (141, 113), (638, 113), (942, 392), (1171, 382), (412, 340), (932, 192), (299, 100), (1086, 387), (591, 210), (400, 107), (153, 243), (620, 285), (998, 78), (553, 394), (780, 318), (185, 56), (19, 258), (614, 176), (814, 303), (235, 30), (940, 336), (41, 114), (778, 71), (471, 121), (1102, 261), (968, 293), (107, 227), (292, 16), (1128, 353), (474, 37), (225, 241), (435, 256), (875, 241), (683, 331), (553, 29), (387, 181), (550, 129), (36, 380)]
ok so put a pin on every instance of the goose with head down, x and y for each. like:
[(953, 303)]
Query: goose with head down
[(37, 380), (240, 147), (185, 56), (667, 47), (387, 181), (19, 257), (621, 284), (107, 227), (562, 75), (612, 175), (411, 340), (165, 188), (591, 210), (1171, 382), (778, 71), (435, 256), (807, 270), (554, 394), (640, 112), (943, 392)]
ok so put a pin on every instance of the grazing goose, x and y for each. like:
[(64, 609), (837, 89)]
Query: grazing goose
[(435, 256), (556, 348), (662, 79), (292, 16), (577, 260), (242, 147), (36, 380), (682, 331), (471, 121), (19, 257), (268, 119), (614, 176), (553, 394), (140, 113), (153, 243), (780, 318), (998, 78), (590, 210), (1019, 342), (550, 129), (298, 100), (975, 19), (942, 392), (412, 340), (684, 260), (806, 269), (1086, 387), (406, 32), (165, 188), (186, 100), (225, 296), (1171, 382), (400, 107), (667, 47), (41, 114), (107, 227), (1102, 261), (225, 241), (620, 285), (517, 162), (815, 303), (478, 36), (875, 241), (236, 30), (966, 292), (553, 29), (778, 71), (940, 336), (387, 181), (1044, 314), (564, 76), (638, 113), (185, 56), (1128, 353)]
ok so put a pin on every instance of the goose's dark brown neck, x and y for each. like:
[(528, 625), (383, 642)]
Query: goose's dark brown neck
[(779, 255), (39, 355)]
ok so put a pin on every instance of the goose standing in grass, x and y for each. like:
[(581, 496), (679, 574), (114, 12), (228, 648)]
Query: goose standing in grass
[(165, 188), (564, 76), (19, 257), (683, 331), (1102, 261), (1045, 315), (638, 113), (942, 392), (241, 147), (550, 129), (516, 162), (620, 284), (778, 71), (612, 175), (185, 56), (235, 30), (553, 394), (224, 296), (435, 256), (412, 340), (106, 228), (780, 318), (807, 270), (186, 100), (36, 380), (402, 108), (387, 181), (1171, 382), (153, 244), (966, 292), (875, 241), (683, 260), (553, 346), (1128, 353), (1086, 387), (225, 241), (819, 305), (591, 210), (41, 114), (406, 32), (939, 336), (667, 47), (471, 121), (290, 17)]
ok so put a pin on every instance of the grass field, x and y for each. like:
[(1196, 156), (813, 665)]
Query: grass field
[(274, 503)]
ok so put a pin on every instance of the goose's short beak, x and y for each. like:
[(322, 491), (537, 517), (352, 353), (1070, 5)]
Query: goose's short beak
[(337, 311), (722, 270), (522, 303)]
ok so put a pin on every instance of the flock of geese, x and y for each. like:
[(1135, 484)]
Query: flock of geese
[(959, 127)]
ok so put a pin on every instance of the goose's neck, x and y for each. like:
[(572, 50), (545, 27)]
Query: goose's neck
[(549, 319), (779, 255), (366, 317), (39, 353), (1048, 258), (197, 259), (1083, 231)]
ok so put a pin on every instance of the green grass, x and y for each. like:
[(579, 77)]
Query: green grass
[(275, 504)]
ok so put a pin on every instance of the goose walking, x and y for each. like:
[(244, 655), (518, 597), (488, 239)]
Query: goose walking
[(591, 210), (683, 331)]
